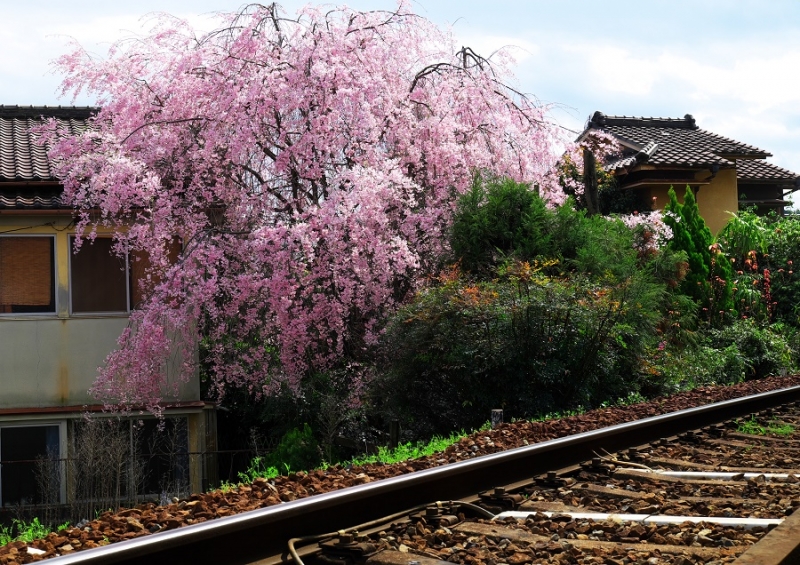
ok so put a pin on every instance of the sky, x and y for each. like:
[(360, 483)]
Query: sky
[(733, 65)]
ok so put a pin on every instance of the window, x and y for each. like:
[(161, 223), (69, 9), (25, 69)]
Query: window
[(98, 278), (32, 466), (27, 274), (100, 281)]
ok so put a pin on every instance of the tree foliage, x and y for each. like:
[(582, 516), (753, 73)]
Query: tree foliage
[(309, 165), (549, 310)]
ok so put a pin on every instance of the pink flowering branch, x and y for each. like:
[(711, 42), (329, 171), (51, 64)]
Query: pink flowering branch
[(309, 165)]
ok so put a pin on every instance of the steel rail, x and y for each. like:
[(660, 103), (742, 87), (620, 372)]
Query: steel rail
[(259, 534)]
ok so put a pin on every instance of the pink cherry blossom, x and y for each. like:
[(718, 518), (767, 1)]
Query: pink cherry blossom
[(309, 165)]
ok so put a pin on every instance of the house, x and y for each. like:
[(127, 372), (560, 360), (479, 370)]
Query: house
[(60, 315), (726, 175)]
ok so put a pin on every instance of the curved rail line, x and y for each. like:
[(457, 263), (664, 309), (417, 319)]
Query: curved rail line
[(257, 535)]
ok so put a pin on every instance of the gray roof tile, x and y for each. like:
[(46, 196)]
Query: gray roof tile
[(21, 157), (23, 162), (679, 142), (755, 170)]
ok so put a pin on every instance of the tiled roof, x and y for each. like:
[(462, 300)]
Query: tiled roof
[(677, 141), (21, 158), (755, 170), (18, 199), (26, 177)]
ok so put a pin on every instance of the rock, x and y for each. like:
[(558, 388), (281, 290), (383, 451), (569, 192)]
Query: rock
[(134, 525)]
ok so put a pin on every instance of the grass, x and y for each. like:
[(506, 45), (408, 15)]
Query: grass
[(259, 469), (406, 451), (753, 427), (403, 452), (26, 531)]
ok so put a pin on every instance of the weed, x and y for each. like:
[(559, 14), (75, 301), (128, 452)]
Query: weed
[(406, 451), (258, 469), (26, 531), (752, 427), (227, 487), (564, 414)]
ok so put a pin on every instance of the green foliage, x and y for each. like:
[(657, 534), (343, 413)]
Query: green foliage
[(524, 343), (495, 220), (766, 352), (753, 427), (259, 468), (709, 279), (559, 314), (745, 240), (500, 221), (297, 450), (25, 531), (784, 252), (410, 450), (535, 324), (687, 367), (741, 350), (743, 233), (327, 403)]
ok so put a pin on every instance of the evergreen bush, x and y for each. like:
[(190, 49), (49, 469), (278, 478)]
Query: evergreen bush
[(709, 278)]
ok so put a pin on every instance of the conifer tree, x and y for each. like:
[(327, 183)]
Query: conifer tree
[(709, 280)]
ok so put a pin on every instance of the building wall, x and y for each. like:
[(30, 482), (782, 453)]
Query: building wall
[(51, 359), (48, 363), (717, 200)]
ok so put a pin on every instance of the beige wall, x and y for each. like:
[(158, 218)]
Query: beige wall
[(51, 360), (719, 200), (716, 200)]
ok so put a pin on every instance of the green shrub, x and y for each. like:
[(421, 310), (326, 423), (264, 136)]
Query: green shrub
[(765, 351), (688, 367), (550, 310), (744, 240), (497, 219), (524, 342), (298, 450), (784, 252)]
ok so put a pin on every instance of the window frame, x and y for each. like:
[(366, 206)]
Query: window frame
[(54, 265), (114, 313), (62, 451)]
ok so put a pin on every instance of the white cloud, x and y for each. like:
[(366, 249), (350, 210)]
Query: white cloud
[(757, 81)]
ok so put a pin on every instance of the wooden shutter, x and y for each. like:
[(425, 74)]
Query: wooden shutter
[(26, 271), (98, 278)]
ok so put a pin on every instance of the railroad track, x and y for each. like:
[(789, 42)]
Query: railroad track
[(534, 496)]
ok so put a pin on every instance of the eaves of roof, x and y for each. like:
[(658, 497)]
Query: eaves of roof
[(758, 170)]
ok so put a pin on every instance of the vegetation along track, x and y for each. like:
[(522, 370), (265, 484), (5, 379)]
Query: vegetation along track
[(617, 483)]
